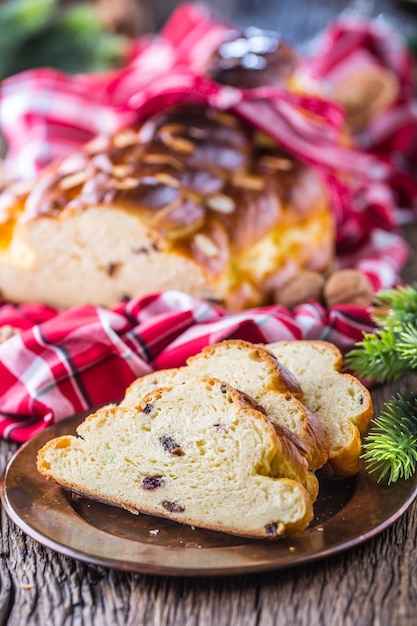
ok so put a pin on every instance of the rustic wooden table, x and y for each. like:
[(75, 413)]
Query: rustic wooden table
[(373, 583)]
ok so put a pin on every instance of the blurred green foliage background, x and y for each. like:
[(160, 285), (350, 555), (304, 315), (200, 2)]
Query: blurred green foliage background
[(94, 35), (36, 33)]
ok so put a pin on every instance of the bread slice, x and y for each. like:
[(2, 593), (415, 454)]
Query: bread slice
[(198, 453), (254, 371), (339, 400)]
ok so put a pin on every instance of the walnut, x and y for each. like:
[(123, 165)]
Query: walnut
[(306, 285), (365, 93), (348, 286)]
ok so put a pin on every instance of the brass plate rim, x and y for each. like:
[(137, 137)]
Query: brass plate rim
[(43, 511)]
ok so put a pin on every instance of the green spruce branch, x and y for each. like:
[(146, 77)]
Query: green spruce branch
[(390, 352), (37, 33), (391, 446), (386, 355)]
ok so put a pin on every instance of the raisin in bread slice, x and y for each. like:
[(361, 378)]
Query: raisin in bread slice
[(198, 453), (338, 399), (179, 376), (254, 371)]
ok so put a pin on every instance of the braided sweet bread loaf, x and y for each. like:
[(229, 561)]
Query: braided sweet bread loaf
[(193, 199)]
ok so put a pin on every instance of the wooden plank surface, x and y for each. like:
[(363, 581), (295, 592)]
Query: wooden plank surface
[(375, 583)]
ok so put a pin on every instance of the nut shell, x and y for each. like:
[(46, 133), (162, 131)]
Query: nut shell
[(304, 286), (348, 286)]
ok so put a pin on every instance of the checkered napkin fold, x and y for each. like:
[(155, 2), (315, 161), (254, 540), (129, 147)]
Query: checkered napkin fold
[(60, 363)]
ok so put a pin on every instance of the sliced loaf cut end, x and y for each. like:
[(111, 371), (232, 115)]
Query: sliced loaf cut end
[(256, 372), (198, 453), (339, 400), (292, 460)]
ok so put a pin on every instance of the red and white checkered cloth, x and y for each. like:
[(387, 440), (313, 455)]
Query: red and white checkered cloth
[(87, 356), (355, 44), (65, 362)]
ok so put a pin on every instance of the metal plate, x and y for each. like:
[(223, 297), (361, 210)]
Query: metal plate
[(347, 513)]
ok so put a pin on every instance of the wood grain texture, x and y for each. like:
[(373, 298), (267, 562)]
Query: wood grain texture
[(373, 584)]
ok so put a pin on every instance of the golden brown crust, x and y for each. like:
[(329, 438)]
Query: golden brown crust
[(183, 172), (293, 449), (317, 439), (206, 191), (283, 380), (346, 462)]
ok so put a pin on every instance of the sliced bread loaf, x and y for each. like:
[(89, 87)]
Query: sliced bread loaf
[(254, 371), (198, 453), (339, 400)]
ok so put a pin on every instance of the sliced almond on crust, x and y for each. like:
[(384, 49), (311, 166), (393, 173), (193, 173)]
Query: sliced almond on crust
[(73, 180), (206, 245), (221, 203), (121, 170), (249, 181), (278, 163), (125, 138), (167, 179), (163, 159), (178, 144), (125, 183)]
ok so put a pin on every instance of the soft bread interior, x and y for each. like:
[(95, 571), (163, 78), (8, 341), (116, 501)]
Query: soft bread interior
[(49, 260), (339, 400), (253, 371), (198, 453)]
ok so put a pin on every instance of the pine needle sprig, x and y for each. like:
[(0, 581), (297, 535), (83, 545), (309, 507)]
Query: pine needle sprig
[(391, 446), (406, 346), (396, 307), (389, 354), (377, 357), (391, 351)]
